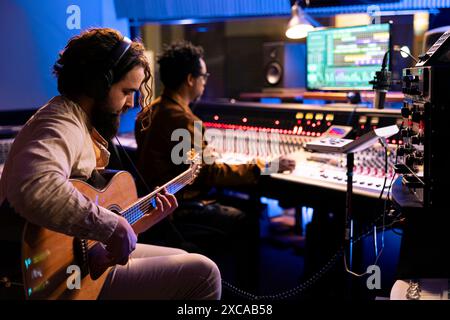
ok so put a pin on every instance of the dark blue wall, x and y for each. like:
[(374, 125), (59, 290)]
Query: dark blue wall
[(32, 33)]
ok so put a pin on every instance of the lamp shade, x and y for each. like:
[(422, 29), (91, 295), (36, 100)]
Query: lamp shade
[(298, 26)]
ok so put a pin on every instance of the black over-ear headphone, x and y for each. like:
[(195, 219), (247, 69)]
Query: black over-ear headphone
[(98, 85)]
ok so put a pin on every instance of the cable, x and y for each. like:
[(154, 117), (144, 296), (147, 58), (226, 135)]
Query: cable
[(116, 152), (294, 291), (386, 165), (134, 167), (383, 227), (341, 252), (301, 288), (377, 254)]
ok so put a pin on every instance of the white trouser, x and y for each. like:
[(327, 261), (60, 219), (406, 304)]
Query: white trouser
[(162, 273)]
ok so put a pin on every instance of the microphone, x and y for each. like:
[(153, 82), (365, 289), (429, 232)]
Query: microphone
[(379, 99), (381, 84)]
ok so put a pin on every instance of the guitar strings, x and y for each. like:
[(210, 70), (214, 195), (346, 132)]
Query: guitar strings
[(133, 213), (138, 210), (181, 176)]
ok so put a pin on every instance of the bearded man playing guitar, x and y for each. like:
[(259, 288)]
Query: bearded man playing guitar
[(67, 222)]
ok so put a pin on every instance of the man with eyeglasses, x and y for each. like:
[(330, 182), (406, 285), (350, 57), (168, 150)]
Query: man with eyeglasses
[(212, 227)]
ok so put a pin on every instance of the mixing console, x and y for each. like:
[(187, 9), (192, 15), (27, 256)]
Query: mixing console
[(245, 131), (241, 132), (322, 169)]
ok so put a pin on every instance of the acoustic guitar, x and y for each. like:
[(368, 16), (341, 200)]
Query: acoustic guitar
[(58, 266)]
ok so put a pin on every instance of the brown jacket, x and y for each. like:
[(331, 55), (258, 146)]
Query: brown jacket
[(155, 147)]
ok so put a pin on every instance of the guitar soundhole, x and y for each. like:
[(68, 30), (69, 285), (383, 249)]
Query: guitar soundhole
[(114, 208), (80, 248)]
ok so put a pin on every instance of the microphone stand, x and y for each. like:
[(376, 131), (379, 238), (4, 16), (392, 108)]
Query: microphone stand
[(381, 84), (349, 207), (349, 147), (348, 237)]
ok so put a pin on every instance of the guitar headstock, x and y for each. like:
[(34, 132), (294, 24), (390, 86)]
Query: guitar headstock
[(195, 162)]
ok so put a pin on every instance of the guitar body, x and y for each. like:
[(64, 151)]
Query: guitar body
[(46, 255), (57, 266)]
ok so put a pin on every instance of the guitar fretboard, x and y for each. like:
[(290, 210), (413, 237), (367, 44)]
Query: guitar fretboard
[(147, 203)]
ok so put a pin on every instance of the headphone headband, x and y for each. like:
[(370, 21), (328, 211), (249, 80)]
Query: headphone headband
[(119, 51)]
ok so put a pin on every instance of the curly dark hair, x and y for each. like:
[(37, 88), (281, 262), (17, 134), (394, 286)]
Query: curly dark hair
[(87, 56), (177, 61)]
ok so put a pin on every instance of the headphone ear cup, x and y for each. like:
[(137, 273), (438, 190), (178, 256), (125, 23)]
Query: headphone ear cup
[(97, 86), (109, 77), (88, 85), (101, 87)]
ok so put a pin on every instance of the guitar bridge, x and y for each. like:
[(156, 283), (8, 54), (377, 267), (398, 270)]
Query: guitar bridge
[(80, 252)]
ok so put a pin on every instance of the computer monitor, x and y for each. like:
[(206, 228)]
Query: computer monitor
[(346, 58)]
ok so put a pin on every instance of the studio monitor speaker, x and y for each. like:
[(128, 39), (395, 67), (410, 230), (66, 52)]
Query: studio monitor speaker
[(284, 65)]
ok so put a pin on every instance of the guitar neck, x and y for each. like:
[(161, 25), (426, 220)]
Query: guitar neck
[(135, 212)]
